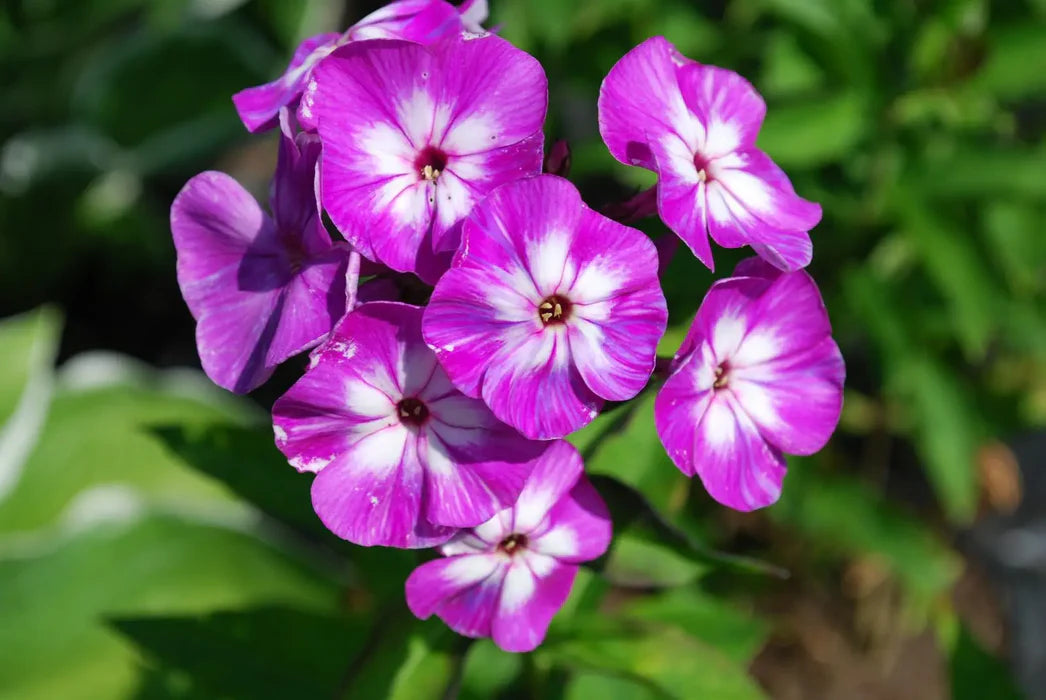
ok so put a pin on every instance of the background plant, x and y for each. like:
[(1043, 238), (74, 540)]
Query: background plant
[(153, 543)]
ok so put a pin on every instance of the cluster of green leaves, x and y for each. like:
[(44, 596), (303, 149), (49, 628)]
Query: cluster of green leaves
[(153, 543)]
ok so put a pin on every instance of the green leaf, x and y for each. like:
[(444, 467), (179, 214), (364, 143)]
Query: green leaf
[(736, 634), (1017, 244), (633, 455), (946, 430), (488, 670), (56, 599), (981, 174), (846, 517), (264, 652), (585, 685), (632, 513), (958, 271), (651, 654), (976, 674), (787, 69), (814, 132), (1013, 65), (247, 462), (98, 438), (410, 660), (28, 344)]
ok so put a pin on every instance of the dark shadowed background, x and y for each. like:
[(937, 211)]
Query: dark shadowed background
[(154, 544)]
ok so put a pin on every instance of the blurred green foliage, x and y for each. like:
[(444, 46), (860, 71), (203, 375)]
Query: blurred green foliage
[(153, 543)]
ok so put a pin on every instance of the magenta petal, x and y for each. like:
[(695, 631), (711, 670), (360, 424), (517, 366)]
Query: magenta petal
[(726, 308), (543, 401), (555, 474), (259, 106), (414, 136), (681, 198), (726, 105), (475, 466), (752, 202), (640, 94), (233, 274), (713, 438), (421, 21), (372, 495), (462, 590), (533, 591), (530, 241), (796, 400), (577, 528)]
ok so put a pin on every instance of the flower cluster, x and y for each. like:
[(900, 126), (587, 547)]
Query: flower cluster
[(420, 135)]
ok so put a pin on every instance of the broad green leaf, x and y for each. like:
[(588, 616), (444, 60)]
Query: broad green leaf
[(976, 674), (814, 131), (736, 634), (100, 439), (958, 271), (1014, 61), (635, 561), (408, 660), (667, 660), (264, 652), (586, 685), (664, 542), (247, 462), (981, 173), (787, 69), (52, 624), (488, 670), (634, 455), (28, 344), (1016, 243), (946, 431), (845, 517)]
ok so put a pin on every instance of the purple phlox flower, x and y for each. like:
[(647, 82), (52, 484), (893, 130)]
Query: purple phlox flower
[(548, 310), (696, 127), (423, 21), (757, 376), (413, 136), (401, 457), (261, 288), (507, 578)]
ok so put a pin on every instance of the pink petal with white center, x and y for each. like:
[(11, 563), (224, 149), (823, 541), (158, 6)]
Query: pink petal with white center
[(555, 474), (576, 529), (259, 106), (474, 465), (463, 591), (754, 203), (496, 95), (618, 312), (534, 589), (422, 21), (485, 537), (640, 94), (726, 105), (723, 318), (722, 445), (532, 385), (682, 196), (468, 178), (386, 108), (795, 400), (371, 494), (788, 317)]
